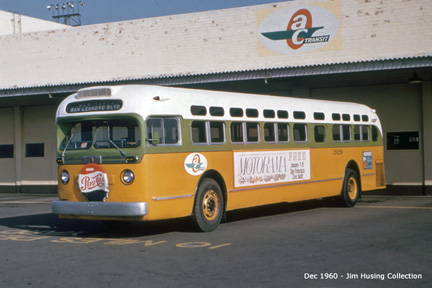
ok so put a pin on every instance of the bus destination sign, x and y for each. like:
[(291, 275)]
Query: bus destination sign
[(94, 106)]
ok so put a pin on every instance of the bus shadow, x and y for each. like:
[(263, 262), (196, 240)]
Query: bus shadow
[(49, 224), (275, 209)]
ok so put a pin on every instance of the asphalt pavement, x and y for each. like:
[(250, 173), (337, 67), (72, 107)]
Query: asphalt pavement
[(384, 241)]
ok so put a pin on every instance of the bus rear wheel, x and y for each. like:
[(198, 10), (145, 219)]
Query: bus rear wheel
[(350, 189), (208, 208)]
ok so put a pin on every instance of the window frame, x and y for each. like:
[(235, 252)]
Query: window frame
[(248, 129), (163, 136), (7, 151), (245, 132), (342, 134), (375, 133), (207, 132), (35, 150), (324, 139), (277, 134), (361, 133), (241, 131), (86, 134), (305, 125)]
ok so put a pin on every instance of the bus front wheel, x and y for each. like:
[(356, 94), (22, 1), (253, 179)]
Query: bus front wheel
[(208, 208), (350, 189)]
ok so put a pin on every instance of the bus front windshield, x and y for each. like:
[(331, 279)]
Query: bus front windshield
[(114, 133)]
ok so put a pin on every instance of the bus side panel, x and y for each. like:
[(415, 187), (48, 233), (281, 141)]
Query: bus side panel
[(163, 182), (323, 182), (331, 163), (327, 170), (171, 188)]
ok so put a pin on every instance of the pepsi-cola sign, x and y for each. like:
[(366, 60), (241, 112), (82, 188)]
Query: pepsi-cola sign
[(298, 29), (93, 182)]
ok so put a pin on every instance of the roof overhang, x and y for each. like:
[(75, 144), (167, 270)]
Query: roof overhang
[(283, 72)]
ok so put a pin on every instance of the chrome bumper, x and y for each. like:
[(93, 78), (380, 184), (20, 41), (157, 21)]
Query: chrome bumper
[(110, 209)]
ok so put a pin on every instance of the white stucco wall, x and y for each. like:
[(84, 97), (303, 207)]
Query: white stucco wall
[(13, 23), (212, 42)]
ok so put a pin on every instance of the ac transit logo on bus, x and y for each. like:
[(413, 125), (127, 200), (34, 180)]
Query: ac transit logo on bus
[(195, 164), (297, 30)]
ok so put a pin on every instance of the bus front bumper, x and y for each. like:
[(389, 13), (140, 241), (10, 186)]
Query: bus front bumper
[(108, 209)]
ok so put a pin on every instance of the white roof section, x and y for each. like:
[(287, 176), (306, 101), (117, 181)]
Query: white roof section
[(217, 42), (146, 100), (14, 23)]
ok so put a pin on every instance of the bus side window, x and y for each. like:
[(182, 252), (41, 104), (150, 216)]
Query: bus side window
[(319, 132), (346, 133), (365, 133), (283, 132), (361, 133), (154, 127), (375, 133), (357, 133), (252, 132), (217, 132), (237, 132), (336, 133), (269, 132), (172, 131), (300, 132), (167, 129), (198, 110), (341, 133), (198, 129)]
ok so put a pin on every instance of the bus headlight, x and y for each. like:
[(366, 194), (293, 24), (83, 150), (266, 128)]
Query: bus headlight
[(65, 177), (127, 177)]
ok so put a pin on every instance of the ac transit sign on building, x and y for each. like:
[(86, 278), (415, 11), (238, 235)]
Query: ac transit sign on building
[(298, 29)]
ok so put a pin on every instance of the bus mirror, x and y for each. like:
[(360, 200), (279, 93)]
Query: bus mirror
[(155, 140)]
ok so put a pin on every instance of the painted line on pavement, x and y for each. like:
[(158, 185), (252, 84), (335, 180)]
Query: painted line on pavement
[(397, 207), (25, 202)]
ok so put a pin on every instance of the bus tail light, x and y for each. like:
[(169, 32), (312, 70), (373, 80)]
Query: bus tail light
[(127, 177)]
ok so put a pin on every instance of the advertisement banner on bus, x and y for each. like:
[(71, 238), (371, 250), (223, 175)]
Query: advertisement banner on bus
[(269, 167)]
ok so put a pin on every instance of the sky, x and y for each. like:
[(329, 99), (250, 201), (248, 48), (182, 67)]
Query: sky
[(104, 11)]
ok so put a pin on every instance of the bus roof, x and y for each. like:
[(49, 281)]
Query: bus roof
[(147, 100)]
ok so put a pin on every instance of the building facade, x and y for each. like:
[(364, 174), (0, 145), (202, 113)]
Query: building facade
[(367, 51)]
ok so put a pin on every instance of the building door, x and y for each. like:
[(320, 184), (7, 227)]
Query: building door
[(400, 111)]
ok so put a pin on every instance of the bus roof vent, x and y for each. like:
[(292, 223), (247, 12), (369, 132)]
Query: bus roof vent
[(94, 92)]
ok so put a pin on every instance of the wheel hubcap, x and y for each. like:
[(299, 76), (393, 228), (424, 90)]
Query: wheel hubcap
[(352, 188), (210, 205)]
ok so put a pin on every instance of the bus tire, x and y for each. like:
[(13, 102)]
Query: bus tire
[(350, 189), (209, 205)]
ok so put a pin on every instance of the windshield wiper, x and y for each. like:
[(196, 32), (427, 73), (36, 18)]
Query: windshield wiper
[(67, 144), (121, 152), (94, 136), (110, 141)]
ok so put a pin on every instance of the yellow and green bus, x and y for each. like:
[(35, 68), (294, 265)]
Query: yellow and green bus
[(143, 153)]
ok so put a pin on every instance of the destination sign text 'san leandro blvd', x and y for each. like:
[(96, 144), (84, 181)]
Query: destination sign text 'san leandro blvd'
[(92, 106)]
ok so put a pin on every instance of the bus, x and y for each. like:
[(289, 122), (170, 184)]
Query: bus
[(144, 153)]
